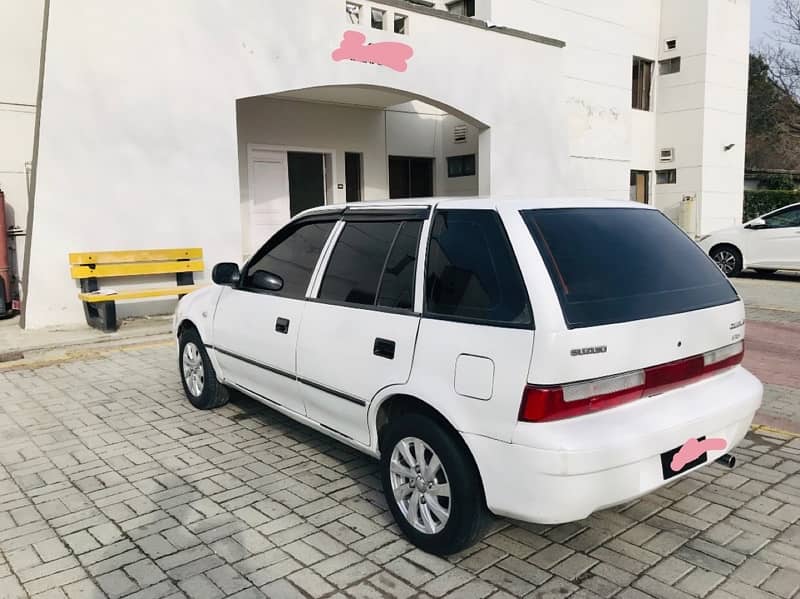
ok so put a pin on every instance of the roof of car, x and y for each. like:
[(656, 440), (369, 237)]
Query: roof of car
[(477, 203)]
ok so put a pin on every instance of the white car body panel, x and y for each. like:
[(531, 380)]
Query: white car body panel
[(543, 472)]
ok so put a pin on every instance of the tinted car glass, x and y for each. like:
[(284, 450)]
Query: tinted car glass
[(397, 284), (356, 264), (471, 271), (787, 218), (612, 265), (292, 255)]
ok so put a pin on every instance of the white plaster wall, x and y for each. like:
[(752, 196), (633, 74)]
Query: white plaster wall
[(20, 47), (139, 118)]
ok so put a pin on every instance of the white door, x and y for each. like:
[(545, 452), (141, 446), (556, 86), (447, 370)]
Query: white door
[(777, 245), (358, 335), (255, 329), (268, 174)]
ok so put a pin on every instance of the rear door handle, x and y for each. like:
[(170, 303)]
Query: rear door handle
[(383, 348), (282, 325)]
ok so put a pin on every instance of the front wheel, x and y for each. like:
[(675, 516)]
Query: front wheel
[(728, 258), (199, 379), (432, 485)]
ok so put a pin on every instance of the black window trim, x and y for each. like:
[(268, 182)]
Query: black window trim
[(531, 326), (329, 216), (375, 307)]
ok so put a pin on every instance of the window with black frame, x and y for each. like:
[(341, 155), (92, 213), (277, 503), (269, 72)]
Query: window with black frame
[(292, 255), (373, 264), (472, 273)]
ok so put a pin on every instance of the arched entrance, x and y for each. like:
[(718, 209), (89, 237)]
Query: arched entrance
[(348, 143)]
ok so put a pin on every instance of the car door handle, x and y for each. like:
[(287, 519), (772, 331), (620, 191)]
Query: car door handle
[(282, 325), (383, 348)]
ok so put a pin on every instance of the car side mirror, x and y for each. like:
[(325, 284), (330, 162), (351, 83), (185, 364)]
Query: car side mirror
[(226, 273), (268, 281), (757, 223)]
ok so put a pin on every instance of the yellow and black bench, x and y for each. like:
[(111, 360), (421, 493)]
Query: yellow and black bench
[(99, 305)]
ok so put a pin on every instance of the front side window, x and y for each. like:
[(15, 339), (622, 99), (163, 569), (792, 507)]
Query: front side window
[(373, 264), (785, 218), (292, 255), (472, 273), (612, 265)]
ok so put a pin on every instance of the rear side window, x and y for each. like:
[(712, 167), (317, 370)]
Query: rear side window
[(612, 265), (373, 263), (472, 273), (292, 255)]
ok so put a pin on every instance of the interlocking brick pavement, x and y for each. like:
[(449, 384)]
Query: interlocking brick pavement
[(111, 485)]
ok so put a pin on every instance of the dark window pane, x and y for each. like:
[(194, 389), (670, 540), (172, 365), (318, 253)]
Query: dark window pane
[(787, 218), (357, 261), (612, 265), (471, 271), (642, 83), (667, 177), (352, 176), (400, 23), (377, 18), (461, 166), (397, 284), (670, 66), (292, 255)]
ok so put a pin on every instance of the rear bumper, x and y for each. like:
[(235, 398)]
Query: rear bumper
[(563, 471)]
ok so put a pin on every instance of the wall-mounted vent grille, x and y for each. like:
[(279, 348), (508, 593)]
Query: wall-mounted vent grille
[(460, 134), (666, 155), (671, 44)]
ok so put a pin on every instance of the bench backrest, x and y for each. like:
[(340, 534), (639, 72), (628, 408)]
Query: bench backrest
[(123, 263)]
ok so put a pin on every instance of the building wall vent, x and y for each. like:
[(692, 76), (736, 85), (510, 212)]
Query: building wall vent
[(671, 44), (666, 155), (460, 134)]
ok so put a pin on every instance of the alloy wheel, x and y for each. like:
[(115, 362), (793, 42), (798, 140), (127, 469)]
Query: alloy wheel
[(193, 372), (420, 485), (726, 261)]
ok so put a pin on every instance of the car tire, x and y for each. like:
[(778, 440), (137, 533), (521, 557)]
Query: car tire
[(198, 377), (460, 518), (728, 258)]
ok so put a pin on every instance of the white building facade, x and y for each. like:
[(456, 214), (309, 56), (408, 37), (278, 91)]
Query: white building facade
[(204, 123)]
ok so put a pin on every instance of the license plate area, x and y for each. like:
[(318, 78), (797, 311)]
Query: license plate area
[(666, 461)]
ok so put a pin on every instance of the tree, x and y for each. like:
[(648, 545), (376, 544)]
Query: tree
[(773, 121)]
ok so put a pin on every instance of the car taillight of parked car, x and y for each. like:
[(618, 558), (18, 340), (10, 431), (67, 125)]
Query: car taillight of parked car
[(548, 403)]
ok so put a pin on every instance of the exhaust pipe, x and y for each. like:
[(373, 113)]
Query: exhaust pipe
[(727, 460)]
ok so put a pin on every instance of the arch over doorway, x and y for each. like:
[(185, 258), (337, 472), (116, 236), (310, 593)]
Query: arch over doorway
[(331, 144)]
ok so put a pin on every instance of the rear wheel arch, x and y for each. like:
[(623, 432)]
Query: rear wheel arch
[(395, 406)]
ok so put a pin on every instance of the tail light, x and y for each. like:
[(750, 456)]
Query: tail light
[(544, 404)]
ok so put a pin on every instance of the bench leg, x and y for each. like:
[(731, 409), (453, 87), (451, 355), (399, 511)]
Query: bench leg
[(101, 315)]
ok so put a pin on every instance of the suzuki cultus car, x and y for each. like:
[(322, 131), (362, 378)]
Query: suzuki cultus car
[(536, 359)]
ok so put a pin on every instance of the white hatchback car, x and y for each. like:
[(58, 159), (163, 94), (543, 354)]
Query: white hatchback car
[(536, 359), (765, 244)]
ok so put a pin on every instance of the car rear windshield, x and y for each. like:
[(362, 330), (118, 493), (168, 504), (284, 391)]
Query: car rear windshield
[(612, 265)]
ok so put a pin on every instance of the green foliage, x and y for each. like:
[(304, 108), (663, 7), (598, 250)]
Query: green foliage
[(779, 182), (760, 202)]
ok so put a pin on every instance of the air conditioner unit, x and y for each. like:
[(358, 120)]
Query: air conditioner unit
[(666, 155)]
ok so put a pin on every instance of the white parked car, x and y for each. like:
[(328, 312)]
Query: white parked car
[(765, 244), (536, 359)]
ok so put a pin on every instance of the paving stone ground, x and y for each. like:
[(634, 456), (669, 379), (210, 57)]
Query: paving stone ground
[(111, 485)]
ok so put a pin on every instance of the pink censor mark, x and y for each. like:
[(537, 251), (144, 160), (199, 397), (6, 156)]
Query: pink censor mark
[(692, 450), (389, 54)]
